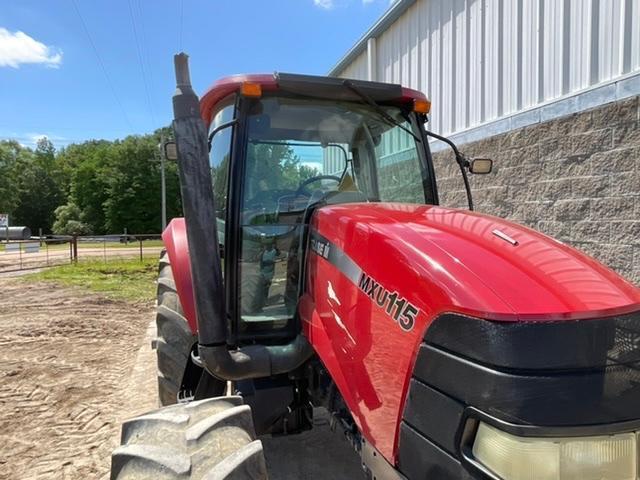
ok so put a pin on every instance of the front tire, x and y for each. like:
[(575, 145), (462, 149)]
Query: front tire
[(175, 340), (212, 439)]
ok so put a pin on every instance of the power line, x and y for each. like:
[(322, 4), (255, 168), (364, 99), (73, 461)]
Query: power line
[(141, 63), (181, 25), (145, 51), (101, 63)]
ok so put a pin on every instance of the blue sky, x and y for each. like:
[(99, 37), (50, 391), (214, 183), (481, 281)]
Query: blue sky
[(52, 82)]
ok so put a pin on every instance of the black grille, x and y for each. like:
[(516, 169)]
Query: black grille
[(563, 345)]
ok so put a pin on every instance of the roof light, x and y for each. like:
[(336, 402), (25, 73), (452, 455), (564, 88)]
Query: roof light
[(249, 89), (421, 106)]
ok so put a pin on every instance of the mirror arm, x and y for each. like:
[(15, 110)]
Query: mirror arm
[(462, 161)]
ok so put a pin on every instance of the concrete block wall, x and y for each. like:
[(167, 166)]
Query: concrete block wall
[(576, 178)]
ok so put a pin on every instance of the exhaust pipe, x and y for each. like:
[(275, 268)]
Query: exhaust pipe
[(206, 269)]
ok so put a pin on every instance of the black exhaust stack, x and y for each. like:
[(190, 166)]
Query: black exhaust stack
[(206, 269)]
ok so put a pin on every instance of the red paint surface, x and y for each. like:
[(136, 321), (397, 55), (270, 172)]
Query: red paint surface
[(409, 94), (228, 85), (175, 241), (441, 260)]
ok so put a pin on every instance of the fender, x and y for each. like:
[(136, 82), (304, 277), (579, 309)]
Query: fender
[(175, 241)]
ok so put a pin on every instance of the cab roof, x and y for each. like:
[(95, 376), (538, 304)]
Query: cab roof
[(308, 86)]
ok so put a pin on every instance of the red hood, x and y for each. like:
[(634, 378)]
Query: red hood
[(474, 270)]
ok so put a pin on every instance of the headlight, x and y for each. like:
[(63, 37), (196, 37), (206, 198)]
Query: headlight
[(607, 457)]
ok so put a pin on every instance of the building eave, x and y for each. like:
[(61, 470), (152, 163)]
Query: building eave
[(391, 15)]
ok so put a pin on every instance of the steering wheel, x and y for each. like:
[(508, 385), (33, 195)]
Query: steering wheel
[(302, 190)]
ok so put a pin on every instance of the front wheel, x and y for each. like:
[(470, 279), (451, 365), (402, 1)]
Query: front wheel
[(212, 439)]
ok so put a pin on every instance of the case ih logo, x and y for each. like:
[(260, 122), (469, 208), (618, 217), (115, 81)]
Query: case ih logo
[(395, 306), (320, 247)]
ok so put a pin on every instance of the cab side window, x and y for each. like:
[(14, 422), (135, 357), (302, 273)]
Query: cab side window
[(220, 133)]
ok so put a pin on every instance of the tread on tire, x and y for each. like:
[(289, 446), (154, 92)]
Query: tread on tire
[(212, 439), (174, 338)]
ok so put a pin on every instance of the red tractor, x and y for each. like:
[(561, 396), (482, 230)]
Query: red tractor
[(447, 344)]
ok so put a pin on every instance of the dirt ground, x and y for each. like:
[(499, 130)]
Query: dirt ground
[(73, 365), (66, 357)]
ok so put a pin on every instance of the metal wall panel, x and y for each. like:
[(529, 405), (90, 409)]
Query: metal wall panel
[(511, 57), (632, 30), (481, 60), (357, 69)]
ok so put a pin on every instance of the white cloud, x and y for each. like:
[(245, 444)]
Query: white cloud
[(30, 139), (34, 137), (19, 48), (326, 4)]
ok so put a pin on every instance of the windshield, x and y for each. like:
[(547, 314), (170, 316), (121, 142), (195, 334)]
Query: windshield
[(308, 149)]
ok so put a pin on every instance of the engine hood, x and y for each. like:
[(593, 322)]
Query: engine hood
[(461, 261)]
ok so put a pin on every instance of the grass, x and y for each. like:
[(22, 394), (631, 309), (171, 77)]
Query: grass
[(130, 280)]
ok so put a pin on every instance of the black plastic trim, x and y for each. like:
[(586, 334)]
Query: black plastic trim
[(553, 379), (564, 345), (429, 174), (420, 458), (333, 88), (232, 230), (472, 416), (433, 414), (605, 395)]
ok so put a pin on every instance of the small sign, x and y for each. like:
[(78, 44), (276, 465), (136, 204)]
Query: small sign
[(4, 220), (31, 247)]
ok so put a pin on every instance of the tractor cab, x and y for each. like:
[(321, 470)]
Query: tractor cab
[(279, 147)]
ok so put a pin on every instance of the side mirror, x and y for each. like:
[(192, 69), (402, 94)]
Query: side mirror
[(169, 150), (481, 166)]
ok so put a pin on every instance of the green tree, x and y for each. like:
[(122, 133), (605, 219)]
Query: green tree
[(277, 167), (134, 200), (114, 185), (68, 221), (88, 169), (39, 187), (10, 151)]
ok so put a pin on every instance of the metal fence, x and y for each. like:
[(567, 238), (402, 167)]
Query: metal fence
[(47, 252)]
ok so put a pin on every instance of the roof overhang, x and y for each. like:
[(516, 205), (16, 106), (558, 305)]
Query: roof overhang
[(306, 85), (391, 15)]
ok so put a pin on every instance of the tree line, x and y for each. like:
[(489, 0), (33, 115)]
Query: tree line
[(95, 187)]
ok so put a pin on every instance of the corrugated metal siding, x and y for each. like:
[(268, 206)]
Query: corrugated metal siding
[(480, 60), (358, 68)]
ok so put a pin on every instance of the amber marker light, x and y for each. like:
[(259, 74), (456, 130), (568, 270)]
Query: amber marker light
[(421, 106), (249, 89)]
